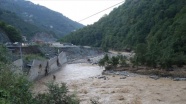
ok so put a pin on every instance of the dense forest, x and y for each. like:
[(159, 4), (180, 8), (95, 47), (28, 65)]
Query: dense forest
[(154, 29), (12, 33), (30, 18), (25, 28)]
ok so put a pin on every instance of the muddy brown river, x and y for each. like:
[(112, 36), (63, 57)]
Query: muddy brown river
[(80, 79)]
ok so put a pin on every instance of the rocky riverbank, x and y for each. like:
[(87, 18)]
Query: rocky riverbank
[(127, 74)]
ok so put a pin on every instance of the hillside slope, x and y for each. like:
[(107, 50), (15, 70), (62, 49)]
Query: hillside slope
[(41, 17), (155, 29), (9, 33), (3, 37), (25, 28)]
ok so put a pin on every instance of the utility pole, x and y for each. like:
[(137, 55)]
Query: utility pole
[(21, 56)]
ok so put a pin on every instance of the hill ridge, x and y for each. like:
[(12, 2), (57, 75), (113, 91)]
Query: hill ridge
[(41, 17), (154, 29)]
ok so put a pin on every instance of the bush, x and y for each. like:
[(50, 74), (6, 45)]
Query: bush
[(103, 61), (113, 61), (30, 57), (12, 33), (15, 89), (4, 56), (56, 95)]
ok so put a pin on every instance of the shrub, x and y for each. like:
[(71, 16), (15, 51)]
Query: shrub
[(30, 57), (4, 55), (56, 95), (113, 61), (14, 89)]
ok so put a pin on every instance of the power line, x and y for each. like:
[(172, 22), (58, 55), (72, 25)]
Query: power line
[(101, 11)]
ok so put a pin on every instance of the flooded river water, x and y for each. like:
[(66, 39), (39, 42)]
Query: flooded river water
[(81, 80), (69, 73)]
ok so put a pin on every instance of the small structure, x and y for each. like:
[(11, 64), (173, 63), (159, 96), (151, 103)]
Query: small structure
[(67, 44)]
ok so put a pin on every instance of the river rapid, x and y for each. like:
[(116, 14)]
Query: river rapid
[(84, 81)]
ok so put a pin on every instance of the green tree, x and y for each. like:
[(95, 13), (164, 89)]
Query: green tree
[(140, 55), (154, 29), (13, 34), (115, 61), (104, 60), (15, 88), (4, 57), (122, 60)]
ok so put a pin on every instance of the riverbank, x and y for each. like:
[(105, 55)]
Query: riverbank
[(87, 82)]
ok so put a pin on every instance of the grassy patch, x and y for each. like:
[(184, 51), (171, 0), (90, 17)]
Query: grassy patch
[(30, 57)]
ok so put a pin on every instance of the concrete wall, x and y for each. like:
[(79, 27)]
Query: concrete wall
[(53, 65), (18, 66), (37, 69), (62, 58), (42, 68)]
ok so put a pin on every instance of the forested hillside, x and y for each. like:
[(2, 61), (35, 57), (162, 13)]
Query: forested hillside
[(8, 32), (3, 37), (25, 28), (155, 29), (37, 17)]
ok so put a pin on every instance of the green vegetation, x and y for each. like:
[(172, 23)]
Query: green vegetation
[(30, 57), (154, 29), (57, 94), (30, 18), (113, 62), (4, 55), (16, 89), (25, 28), (12, 33)]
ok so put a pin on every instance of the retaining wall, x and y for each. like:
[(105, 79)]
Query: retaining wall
[(17, 66), (42, 68), (37, 69), (62, 58), (53, 64)]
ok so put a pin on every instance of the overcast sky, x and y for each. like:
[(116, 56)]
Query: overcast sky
[(80, 9)]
